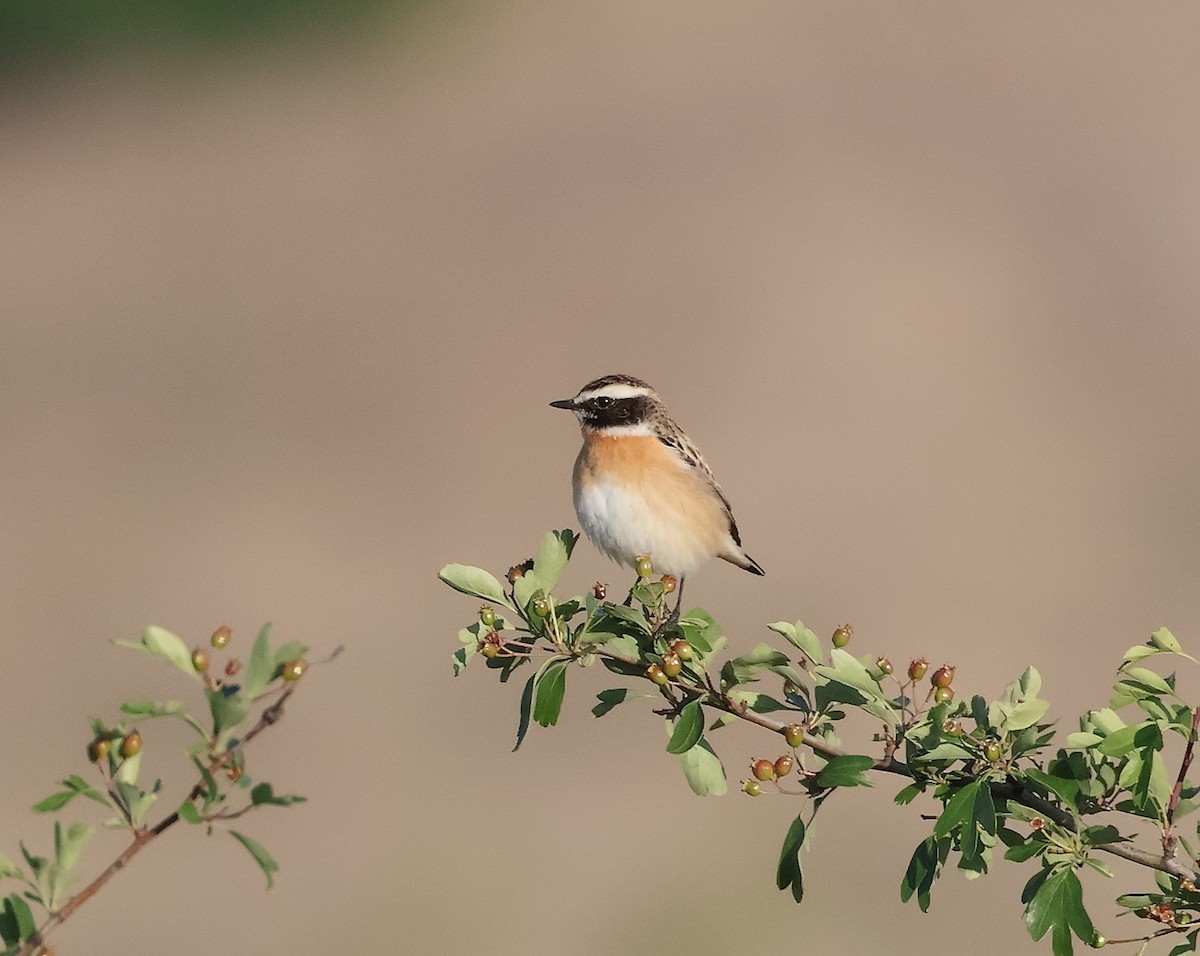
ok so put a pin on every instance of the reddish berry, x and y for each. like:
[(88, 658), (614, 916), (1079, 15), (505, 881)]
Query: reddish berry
[(220, 637), (943, 676), (234, 773), (683, 650), (670, 583), (884, 665), (232, 667), (841, 637), (132, 744), (657, 674), (519, 570), (294, 670), (762, 768), (783, 765), (917, 668), (599, 591), (98, 749), (793, 734)]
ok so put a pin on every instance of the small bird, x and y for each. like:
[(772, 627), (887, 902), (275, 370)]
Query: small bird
[(642, 488)]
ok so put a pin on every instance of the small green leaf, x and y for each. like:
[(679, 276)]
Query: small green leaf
[(228, 711), (612, 697), (626, 615), (161, 643), (189, 814), (549, 696), (688, 729), (1164, 640), (1057, 904), (474, 581), (848, 770), (924, 867), (264, 795), (788, 873), (703, 770), (260, 669), (958, 810), (16, 920), (526, 710), (908, 794), (747, 667), (261, 856)]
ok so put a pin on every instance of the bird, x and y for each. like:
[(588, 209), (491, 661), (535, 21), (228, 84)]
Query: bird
[(642, 488)]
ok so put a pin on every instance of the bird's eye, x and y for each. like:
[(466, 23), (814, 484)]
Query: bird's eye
[(603, 402)]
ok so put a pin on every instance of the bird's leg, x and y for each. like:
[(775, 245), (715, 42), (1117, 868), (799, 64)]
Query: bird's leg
[(628, 602)]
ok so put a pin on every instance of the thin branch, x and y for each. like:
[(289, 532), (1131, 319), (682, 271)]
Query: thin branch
[(142, 836)]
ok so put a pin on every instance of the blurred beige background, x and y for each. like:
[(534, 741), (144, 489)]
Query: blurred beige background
[(279, 330)]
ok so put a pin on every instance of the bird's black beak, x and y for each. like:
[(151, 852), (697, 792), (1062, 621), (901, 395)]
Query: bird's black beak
[(567, 403)]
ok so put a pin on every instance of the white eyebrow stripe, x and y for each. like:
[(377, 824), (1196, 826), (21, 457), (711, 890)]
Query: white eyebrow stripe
[(617, 390)]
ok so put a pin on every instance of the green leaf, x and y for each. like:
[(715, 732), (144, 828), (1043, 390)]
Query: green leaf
[(689, 728), (526, 710), (474, 581), (788, 874), (69, 843), (978, 834), (189, 814), (549, 696), (703, 770), (1148, 679), (228, 711), (1057, 904), (260, 669), (554, 551), (137, 800), (626, 615), (908, 794), (614, 696), (264, 795), (746, 668), (801, 637), (261, 856), (924, 867), (1164, 640), (8, 868), (16, 920), (848, 770), (161, 643), (958, 810)]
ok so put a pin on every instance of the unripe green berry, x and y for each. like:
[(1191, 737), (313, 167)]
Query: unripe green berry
[(199, 660), (884, 665), (952, 726), (293, 670), (783, 765), (763, 769), (220, 637), (98, 749), (644, 566), (487, 615), (943, 676), (489, 650), (683, 650), (917, 668), (991, 750), (752, 787), (132, 744), (541, 607), (672, 665), (841, 637), (943, 694), (657, 674), (793, 734)]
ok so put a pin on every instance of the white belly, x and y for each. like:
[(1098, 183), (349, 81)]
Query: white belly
[(623, 524)]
